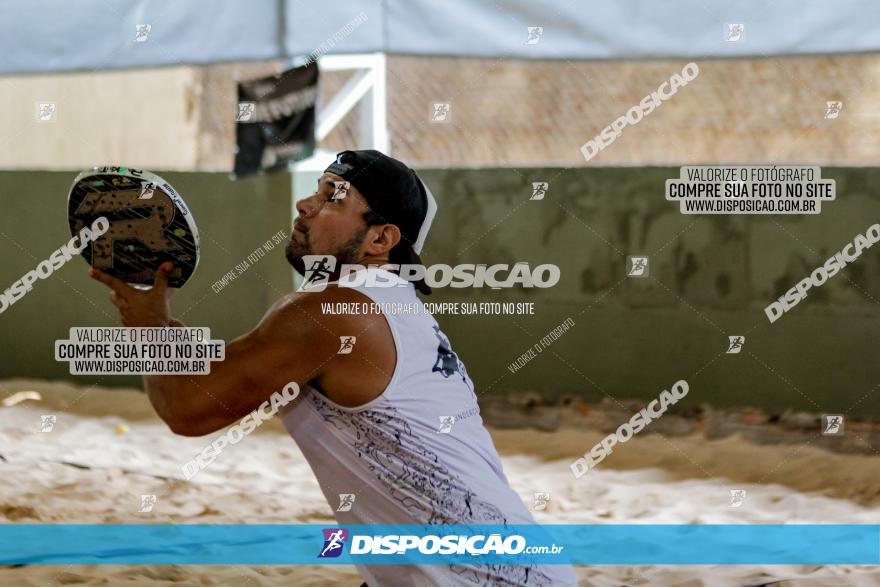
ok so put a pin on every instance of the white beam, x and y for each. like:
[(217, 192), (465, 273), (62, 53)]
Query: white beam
[(343, 102), (366, 88)]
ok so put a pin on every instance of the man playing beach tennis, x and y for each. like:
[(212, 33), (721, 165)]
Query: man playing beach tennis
[(388, 417)]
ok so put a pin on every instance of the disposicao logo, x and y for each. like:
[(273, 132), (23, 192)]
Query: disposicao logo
[(334, 541)]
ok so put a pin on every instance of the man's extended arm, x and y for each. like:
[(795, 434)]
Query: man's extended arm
[(290, 344), (284, 347)]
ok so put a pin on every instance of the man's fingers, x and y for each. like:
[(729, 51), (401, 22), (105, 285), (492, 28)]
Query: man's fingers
[(162, 274), (118, 301), (117, 285)]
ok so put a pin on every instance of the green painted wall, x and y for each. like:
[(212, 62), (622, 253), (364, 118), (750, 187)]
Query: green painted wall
[(710, 277)]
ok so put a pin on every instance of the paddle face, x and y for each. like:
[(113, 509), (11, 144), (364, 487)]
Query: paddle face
[(149, 224)]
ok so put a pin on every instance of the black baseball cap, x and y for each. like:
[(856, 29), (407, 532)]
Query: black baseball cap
[(397, 195)]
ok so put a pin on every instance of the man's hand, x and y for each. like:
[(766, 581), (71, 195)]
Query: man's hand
[(140, 307)]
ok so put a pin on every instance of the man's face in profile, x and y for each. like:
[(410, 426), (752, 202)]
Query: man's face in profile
[(329, 222)]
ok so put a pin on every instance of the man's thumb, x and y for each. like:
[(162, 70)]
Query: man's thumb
[(162, 274)]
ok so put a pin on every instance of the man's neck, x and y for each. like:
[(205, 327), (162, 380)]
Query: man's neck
[(377, 261)]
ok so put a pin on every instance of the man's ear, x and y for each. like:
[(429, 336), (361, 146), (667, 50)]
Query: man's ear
[(381, 239)]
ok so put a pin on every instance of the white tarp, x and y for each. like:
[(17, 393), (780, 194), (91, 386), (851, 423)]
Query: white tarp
[(56, 35)]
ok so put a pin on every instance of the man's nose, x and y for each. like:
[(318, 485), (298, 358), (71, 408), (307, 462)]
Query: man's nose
[(307, 207)]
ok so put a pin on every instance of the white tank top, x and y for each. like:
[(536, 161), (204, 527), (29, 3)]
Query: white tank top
[(403, 463)]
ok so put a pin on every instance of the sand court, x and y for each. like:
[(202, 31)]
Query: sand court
[(107, 449)]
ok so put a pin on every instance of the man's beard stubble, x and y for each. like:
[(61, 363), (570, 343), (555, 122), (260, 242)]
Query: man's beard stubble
[(347, 253)]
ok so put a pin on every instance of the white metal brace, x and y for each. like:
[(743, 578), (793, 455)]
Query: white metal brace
[(367, 88)]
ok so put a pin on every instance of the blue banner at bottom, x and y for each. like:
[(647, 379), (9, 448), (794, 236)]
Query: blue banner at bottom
[(282, 544)]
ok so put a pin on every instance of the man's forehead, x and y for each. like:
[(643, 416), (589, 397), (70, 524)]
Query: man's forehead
[(329, 180), (328, 177)]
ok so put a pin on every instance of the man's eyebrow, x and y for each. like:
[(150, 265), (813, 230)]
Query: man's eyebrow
[(325, 180)]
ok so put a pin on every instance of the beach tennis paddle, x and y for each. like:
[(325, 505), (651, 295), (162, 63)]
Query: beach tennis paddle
[(149, 225)]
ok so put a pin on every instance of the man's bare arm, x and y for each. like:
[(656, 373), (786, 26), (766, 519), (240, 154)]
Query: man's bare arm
[(288, 345), (292, 343)]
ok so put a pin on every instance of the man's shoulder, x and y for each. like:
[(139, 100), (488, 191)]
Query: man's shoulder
[(354, 351), (315, 300), (322, 309)]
